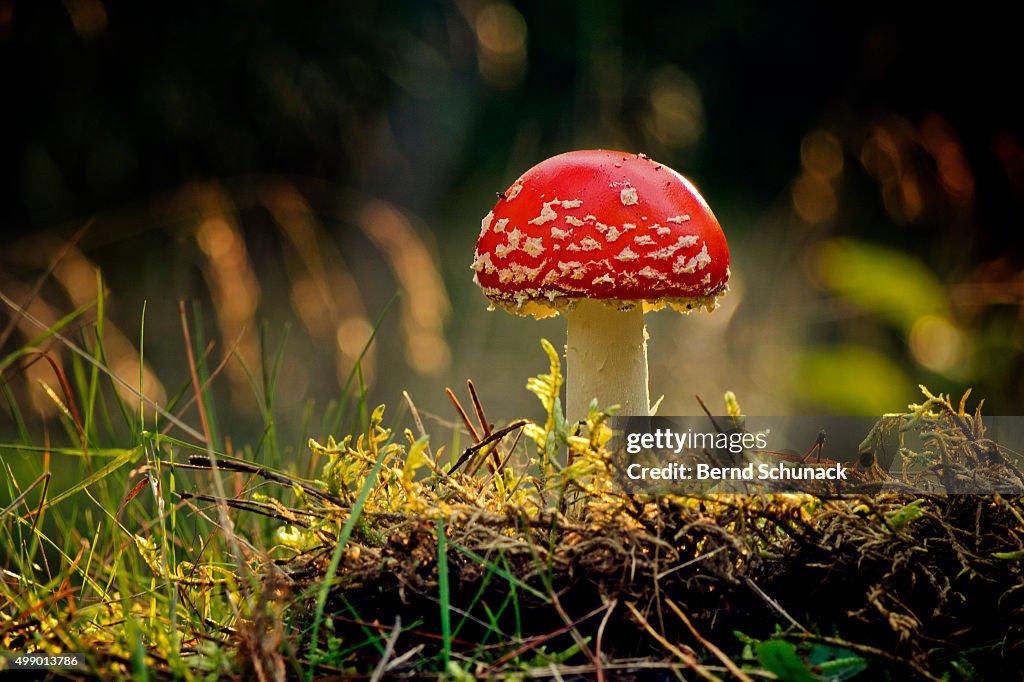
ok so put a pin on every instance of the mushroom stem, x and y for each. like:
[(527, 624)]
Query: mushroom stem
[(606, 358)]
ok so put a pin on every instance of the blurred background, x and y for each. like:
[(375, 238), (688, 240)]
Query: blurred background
[(285, 170)]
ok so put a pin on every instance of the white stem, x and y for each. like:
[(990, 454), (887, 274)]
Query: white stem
[(606, 358)]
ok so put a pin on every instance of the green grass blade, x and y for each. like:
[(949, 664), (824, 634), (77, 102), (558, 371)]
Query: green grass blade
[(498, 570), (48, 332), (99, 475), (443, 589), (346, 532)]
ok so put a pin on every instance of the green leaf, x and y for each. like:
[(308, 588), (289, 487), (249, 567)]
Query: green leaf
[(897, 520), (122, 459), (852, 379), (415, 459), (835, 663), (887, 283), (779, 657)]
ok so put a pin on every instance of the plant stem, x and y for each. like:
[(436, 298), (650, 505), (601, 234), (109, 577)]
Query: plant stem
[(606, 358)]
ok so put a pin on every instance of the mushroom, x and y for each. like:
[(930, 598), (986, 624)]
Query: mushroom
[(602, 237)]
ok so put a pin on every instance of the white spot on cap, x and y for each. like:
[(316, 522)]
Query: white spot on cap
[(572, 203), (547, 214), (500, 225), (643, 240), (520, 273), (590, 244), (669, 251), (502, 250), (628, 196), (559, 233), (627, 254), (703, 258), (698, 262), (483, 262), (577, 268), (660, 229), (603, 279), (513, 191), (651, 273), (485, 224), (534, 246), (575, 222), (678, 219)]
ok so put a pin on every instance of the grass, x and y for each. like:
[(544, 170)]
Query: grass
[(100, 552), (148, 544)]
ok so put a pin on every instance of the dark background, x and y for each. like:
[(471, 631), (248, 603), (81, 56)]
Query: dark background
[(292, 165)]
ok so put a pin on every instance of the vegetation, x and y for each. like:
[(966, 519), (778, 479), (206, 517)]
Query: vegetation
[(213, 506), (162, 555)]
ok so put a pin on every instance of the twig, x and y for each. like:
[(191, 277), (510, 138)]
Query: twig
[(581, 642), (481, 417), (707, 644), (389, 651), (418, 422), (774, 604), (399, 660), (504, 462), (692, 561), (253, 506), (478, 408), (600, 638), (676, 651), (496, 436), (204, 462), (462, 413)]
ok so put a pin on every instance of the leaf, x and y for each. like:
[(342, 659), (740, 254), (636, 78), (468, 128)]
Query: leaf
[(547, 386), (835, 663), (890, 284), (779, 657), (851, 378), (415, 459), (122, 459), (897, 520), (1015, 555), (149, 552)]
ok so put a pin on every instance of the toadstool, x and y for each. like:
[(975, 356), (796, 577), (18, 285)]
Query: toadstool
[(602, 237)]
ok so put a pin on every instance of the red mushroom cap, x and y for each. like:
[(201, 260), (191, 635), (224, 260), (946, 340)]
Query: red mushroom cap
[(601, 225)]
